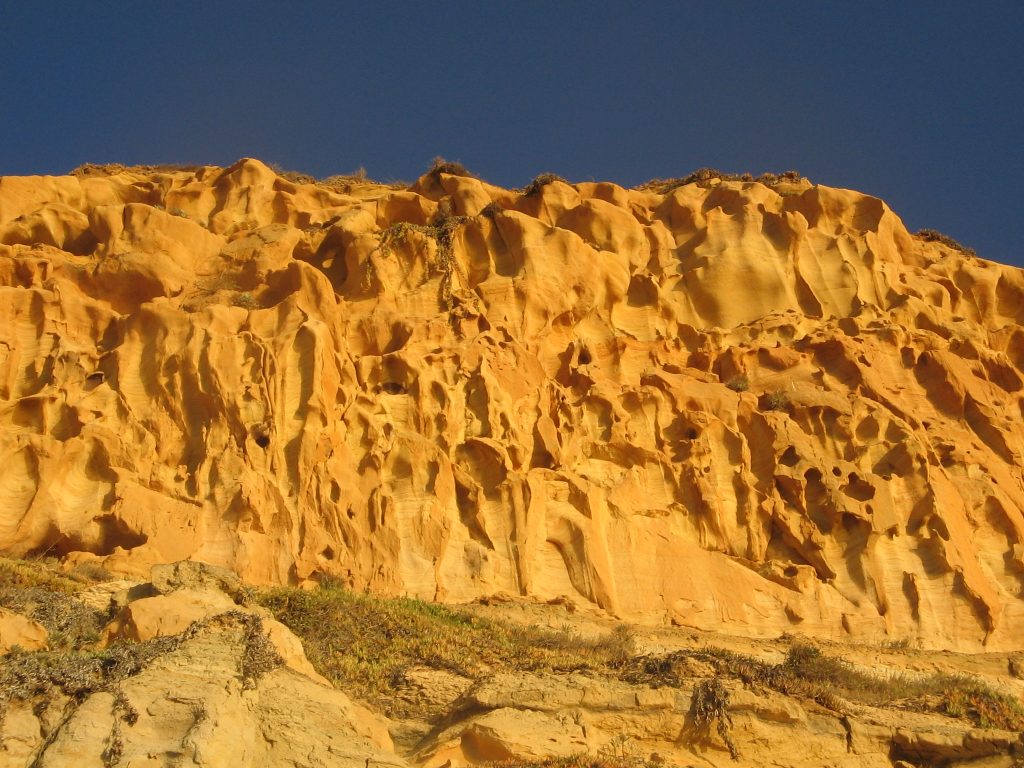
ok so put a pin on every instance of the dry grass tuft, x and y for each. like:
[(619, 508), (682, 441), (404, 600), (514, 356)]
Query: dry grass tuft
[(934, 236), (704, 176), (541, 181), (39, 572), (738, 383), (491, 210), (777, 400), (448, 167), (112, 169), (91, 572), (295, 177)]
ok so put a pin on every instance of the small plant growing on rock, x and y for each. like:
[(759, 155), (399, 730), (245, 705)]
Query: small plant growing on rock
[(491, 210), (51, 601), (934, 236), (91, 571), (245, 300), (739, 383), (704, 176), (981, 705), (448, 167), (259, 656), (41, 675), (442, 231), (619, 748), (776, 401), (540, 182), (711, 705)]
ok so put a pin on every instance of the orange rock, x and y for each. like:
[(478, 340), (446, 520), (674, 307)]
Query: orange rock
[(19, 631), (190, 592), (728, 405)]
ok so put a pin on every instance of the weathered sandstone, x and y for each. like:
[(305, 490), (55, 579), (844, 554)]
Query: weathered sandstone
[(191, 707), (729, 406), (17, 631)]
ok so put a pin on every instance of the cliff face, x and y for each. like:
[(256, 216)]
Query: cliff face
[(730, 405)]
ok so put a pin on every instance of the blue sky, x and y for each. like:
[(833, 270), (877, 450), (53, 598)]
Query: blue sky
[(921, 103)]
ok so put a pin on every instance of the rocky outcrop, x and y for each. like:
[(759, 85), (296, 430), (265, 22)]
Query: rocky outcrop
[(191, 706), (533, 716), (17, 631), (181, 594), (726, 404), (182, 676)]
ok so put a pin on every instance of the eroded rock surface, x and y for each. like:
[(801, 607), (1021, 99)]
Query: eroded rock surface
[(194, 706), (729, 405)]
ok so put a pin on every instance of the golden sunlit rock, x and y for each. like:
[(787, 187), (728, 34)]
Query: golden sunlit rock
[(728, 405)]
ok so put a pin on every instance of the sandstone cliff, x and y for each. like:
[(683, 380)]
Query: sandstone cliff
[(730, 405)]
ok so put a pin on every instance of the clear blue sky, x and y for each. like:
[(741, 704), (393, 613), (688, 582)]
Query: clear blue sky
[(919, 103)]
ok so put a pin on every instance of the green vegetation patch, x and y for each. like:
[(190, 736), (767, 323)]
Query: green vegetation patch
[(49, 598), (807, 673), (364, 644)]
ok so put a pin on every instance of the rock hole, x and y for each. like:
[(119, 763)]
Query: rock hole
[(541, 458), (400, 334), (642, 292), (584, 358), (261, 436), (392, 388), (850, 522)]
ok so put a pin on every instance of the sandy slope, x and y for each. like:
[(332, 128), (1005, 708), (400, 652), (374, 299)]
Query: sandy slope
[(537, 397)]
